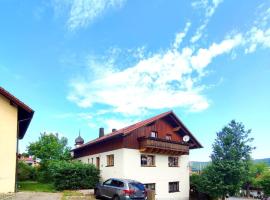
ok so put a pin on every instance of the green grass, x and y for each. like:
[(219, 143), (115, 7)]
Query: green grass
[(36, 186)]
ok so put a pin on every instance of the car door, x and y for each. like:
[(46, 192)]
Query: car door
[(114, 187), (105, 188)]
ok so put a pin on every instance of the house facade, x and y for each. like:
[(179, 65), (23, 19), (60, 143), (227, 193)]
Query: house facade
[(15, 118), (154, 151)]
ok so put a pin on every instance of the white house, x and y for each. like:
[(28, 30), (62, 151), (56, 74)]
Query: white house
[(154, 151)]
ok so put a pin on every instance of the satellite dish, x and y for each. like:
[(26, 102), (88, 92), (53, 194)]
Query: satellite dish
[(186, 138)]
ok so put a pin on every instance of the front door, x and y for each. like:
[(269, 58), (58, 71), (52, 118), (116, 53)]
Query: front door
[(98, 162)]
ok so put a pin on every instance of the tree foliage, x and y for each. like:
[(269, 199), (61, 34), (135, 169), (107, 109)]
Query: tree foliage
[(256, 171), (230, 161), (50, 147), (264, 182)]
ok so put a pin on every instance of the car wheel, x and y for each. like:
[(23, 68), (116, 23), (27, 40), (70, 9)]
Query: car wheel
[(116, 198), (97, 193)]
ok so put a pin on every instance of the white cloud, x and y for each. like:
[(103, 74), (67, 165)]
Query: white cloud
[(81, 13), (163, 80), (210, 8), (180, 36), (205, 56), (259, 34), (170, 78), (256, 37)]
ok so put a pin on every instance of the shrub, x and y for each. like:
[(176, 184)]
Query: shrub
[(73, 175), (26, 172), (43, 173)]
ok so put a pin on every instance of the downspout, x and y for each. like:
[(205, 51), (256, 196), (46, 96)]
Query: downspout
[(17, 147)]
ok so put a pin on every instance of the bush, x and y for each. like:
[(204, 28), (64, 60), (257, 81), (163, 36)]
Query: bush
[(43, 173), (26, 172), (73, 175)]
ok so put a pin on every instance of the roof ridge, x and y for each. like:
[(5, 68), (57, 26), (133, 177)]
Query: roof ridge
[(128, 129)]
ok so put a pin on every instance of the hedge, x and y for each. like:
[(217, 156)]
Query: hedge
[(73, 175)]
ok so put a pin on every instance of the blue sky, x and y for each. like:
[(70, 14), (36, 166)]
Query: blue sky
[(87, 64)]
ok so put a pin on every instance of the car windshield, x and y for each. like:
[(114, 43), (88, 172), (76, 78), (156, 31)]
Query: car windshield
[(136, 186)]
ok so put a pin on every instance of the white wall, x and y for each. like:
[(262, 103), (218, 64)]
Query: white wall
[(108, 172), (127, 164)]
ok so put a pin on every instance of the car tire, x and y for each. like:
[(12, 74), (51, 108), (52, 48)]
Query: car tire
[(97, 193), (116, 197)]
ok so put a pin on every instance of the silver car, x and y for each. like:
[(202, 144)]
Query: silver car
[(121, 189)]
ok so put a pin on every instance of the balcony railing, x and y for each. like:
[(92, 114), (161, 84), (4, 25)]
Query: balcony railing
[(160, 146)]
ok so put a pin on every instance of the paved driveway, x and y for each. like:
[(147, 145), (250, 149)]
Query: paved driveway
[(37, 196)]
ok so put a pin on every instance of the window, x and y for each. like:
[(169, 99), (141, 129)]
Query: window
[(150, 186), (153, 134), (110, 160), (108, 182), (173, 186), (88, 161), (136, 186), (168, 137), (92, 160), (116, 183), (147, 160), (173, 162)]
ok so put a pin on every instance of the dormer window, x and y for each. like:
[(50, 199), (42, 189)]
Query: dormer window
[(168, 137), (153, 134)]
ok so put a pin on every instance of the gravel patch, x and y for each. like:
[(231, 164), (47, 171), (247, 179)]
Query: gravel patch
[(37, 196)]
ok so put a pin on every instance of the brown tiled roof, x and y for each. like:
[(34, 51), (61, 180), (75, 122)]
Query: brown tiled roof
[(128, 129), (25, 113)]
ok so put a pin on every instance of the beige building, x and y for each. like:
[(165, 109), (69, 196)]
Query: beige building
[(15, 118)]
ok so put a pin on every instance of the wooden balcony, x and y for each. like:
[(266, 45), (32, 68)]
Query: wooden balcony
[(161, 146)]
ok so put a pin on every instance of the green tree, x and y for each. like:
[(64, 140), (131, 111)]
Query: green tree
[(230, 161), (264, 182), (50, 147), (256, 170)]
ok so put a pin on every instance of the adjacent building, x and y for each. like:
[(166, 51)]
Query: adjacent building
[(154, 151), (15, 118)]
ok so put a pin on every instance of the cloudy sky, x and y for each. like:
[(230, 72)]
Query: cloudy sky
[(85, 64)]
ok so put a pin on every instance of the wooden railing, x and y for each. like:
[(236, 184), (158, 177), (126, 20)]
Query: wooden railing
[(158, 145)]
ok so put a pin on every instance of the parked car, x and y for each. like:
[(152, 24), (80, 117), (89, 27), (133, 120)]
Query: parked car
[(121, 189)]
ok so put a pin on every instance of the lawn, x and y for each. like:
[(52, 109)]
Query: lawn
[(36, 186)]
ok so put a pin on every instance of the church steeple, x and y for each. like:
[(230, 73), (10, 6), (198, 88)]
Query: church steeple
[(79, 140)]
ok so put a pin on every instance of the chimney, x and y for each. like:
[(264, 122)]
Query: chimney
[(101, 132), (114, 129)]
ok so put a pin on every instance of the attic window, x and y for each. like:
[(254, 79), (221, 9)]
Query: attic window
[(168, 137), (153, 134)]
